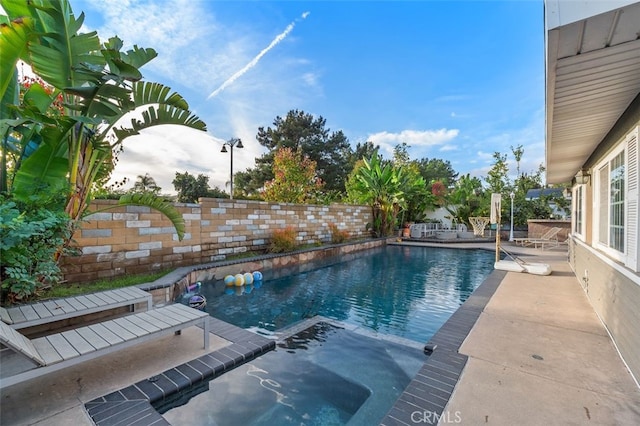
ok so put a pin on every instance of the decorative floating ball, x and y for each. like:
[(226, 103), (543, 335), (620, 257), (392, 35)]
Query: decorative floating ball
[(198, 302), (239, 280), (257, 276), (229, 280), (248, 278)]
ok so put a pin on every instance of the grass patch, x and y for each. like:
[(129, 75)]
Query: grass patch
[(76, 289)]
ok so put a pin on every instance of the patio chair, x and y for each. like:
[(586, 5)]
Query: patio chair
[(24, 359), (59, 309), (548, 238)]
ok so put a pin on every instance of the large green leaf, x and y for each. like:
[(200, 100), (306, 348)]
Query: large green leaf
[(61, 49), (152, 201), (13, 46), (164, 114), (145, 93), (47, 168)]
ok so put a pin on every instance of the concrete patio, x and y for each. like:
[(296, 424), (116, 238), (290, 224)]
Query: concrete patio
[(539, 354)]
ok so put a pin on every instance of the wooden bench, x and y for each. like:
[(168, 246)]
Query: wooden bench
[(59, 309), (57, 351)]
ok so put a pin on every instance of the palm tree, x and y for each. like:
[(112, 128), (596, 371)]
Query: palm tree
[(98, 85), (146, 183)]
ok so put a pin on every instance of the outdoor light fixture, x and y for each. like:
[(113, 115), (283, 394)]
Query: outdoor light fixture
[(583, 176), (511, 195), (231, 143)]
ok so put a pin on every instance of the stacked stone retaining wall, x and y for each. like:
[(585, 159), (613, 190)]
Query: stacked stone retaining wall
[(133, 240)]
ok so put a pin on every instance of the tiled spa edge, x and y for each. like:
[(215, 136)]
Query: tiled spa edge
[(133, 405)]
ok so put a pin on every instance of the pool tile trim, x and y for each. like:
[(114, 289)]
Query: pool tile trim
[(430, 390), (134, 405)]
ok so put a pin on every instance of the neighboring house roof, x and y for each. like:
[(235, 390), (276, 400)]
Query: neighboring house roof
[(592, 69), (546, 192)]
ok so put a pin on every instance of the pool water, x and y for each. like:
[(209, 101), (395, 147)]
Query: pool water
[(404, 291), (324, 375)]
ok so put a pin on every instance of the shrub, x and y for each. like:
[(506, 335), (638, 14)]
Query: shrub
[(283, 240), (338, 236), (30, 237)]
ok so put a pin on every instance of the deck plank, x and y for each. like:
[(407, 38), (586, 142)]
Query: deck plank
[(143, 323), (63, 347), (76, 303), (46, 351), (87, 302), (93, 338), (42, 310), (106, 298), (106, 334), (16, 315), (29, 313), (161, 320), (131, 327), (78, 342), (118, 330), (55, 307)]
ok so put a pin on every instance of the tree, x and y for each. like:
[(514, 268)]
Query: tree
[(191, 188), (435, 169), (295, 178), (146, 183), (100, 86), (299, 130), (497, 177), (362, 150)]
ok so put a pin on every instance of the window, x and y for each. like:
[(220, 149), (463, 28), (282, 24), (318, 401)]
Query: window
[(616, 201), (616, 197), (578, 210)]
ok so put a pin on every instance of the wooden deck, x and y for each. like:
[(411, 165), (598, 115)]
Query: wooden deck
[(59, 309), (61, 350)]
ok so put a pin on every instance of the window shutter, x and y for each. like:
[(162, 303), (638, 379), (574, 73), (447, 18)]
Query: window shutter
[(633, 216)]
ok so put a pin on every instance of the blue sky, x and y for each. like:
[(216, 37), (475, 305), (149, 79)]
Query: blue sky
[(456, 80)]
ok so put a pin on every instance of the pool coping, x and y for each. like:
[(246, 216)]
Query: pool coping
[(134, 405), (425, 398), (427, 394)]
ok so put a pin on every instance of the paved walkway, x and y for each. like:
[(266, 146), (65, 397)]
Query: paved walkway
[(539, 355)]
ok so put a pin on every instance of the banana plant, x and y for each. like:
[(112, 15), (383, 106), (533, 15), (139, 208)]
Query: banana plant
[(75, 128), (381, 186)]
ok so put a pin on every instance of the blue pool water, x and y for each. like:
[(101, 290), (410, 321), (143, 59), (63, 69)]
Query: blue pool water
[(323, 375), (404, 291)]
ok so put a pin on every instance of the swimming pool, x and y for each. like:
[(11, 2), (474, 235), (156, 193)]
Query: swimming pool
[(404, 291), (323, 375)]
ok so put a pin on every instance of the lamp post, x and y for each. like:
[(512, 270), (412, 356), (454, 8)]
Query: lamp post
[(231, 143), (511, 195)]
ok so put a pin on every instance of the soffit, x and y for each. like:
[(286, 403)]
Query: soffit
[(593, 74)]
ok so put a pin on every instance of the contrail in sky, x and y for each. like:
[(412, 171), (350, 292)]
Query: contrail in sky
[(255, 60)]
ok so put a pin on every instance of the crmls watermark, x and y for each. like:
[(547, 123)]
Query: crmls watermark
[(433, 418)]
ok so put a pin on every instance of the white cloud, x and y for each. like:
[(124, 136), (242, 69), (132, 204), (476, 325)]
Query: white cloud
[(194, 60), (446, 148), (413, 138)]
